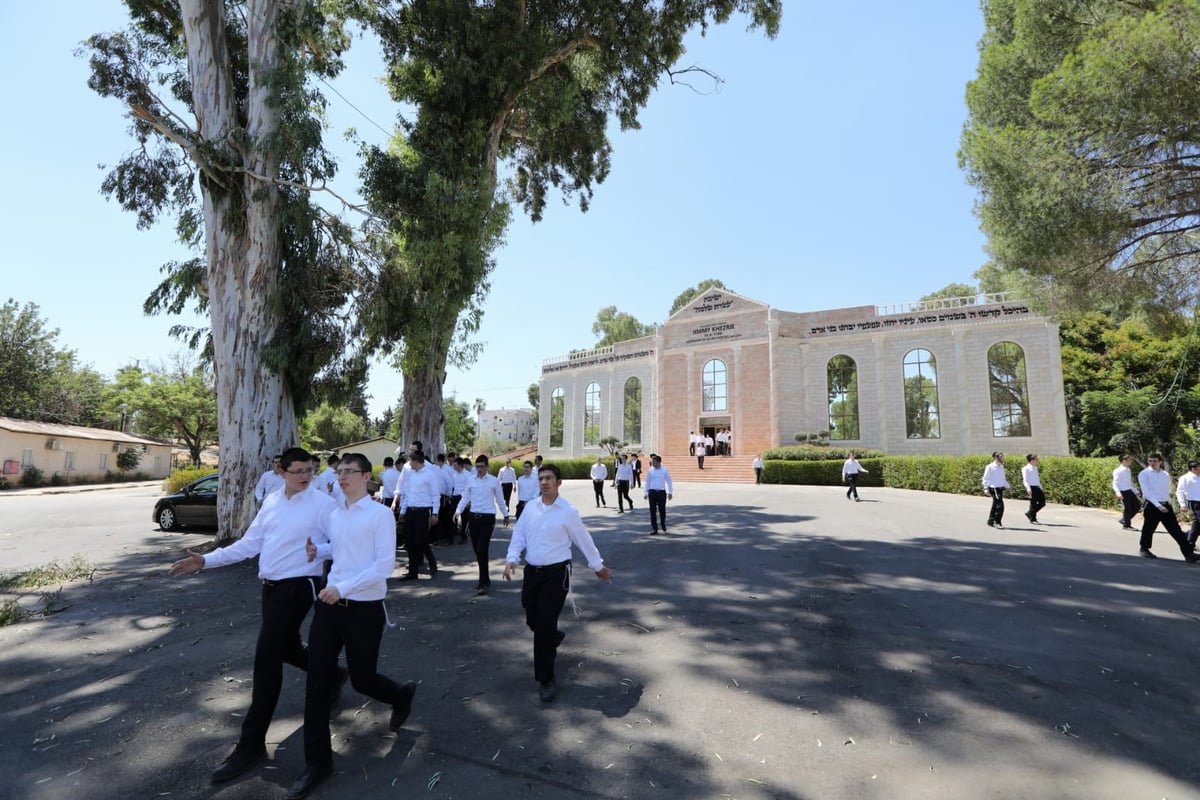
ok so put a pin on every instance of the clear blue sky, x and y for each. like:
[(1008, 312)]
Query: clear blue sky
[(823, 174)]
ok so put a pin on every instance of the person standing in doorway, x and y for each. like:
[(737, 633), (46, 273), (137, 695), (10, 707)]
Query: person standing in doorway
[(658, 491), (287, 520), (482, 495), (850, 471), (994, 484), (544, 537), (349, 614), (1156, 491), (1033, 485), (599, 476), (1122, 484)]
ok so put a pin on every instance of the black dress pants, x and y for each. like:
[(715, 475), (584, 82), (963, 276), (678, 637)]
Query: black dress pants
[(416, 540), (658, 508), (1151, 517), (358, 627), (996, 515), (1129, 507), (1037, 501), (285, 604), (623, 492), (543, 593), (598, 490), (481, 527)]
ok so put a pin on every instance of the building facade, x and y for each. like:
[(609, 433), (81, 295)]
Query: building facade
[(74, 453), (512, 425), (945, 377)]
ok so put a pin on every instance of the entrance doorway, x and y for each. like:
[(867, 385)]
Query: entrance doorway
[(709, 427)]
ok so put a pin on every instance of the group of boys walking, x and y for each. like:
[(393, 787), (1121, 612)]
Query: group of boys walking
[(334, 555)]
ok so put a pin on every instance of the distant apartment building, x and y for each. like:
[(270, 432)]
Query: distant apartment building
[(507, 424)]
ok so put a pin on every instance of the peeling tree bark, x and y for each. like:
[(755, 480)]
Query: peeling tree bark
[(255, 414)]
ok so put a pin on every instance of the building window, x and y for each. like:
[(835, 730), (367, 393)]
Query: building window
[(557, 405), (920, 395), (843, 398), (715, 389), (104, 461), (26, 459), (591, 415), (1009, 390), (69, 461), (633, 411)]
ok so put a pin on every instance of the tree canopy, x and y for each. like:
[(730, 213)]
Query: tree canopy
[(690, 294), (614, 326), (1083, 139)]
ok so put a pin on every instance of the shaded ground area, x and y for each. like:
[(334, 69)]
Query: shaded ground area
[(779, 643)]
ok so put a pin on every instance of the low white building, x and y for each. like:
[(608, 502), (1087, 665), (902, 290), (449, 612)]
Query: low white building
[(513, 425), (74, 453)]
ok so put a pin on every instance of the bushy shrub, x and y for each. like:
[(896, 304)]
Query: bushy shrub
[(820, 473), (182, 477), (58, 479), (815, 453), (32, 477)]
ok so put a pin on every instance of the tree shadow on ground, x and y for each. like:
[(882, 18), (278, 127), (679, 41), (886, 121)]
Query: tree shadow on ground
[(747, 654)]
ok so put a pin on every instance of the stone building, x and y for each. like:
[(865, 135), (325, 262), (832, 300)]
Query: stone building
[(511, 425), (944, 377)]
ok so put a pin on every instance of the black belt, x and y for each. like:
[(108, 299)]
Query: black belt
[(476, 514), (348, 603), (285, 581), (559, 565)]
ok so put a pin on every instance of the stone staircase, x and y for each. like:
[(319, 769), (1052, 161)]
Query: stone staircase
[(717, 469)]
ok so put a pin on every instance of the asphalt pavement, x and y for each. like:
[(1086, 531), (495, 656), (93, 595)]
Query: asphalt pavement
[(779, 642)]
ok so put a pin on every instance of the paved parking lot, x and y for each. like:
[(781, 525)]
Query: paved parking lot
[(781, 642)]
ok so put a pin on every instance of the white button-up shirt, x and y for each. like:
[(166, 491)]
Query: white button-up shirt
[(1123, 479), (363, 547), (1030, 477), (527, 487), (625, 471), (482, 496), (507, 475), (994, 477), (278, 535), (658, 479), (271, 481), (1156, 485), (1188, 489), (461, 476), (599, 471), (422, 489), (390, 479), (545, 533)]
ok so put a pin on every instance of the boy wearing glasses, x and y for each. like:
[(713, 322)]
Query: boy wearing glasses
[(349, 614), (288, 518)]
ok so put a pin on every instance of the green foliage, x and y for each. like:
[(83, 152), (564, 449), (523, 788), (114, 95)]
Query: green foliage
[(1081, 140), (49, 574), (31, 477), (182, 477), (614, 326), (688, 295), (572, 468), (459, 426), (813, 453), (328, 427), (820, 473), (612, 445), (128, 459)]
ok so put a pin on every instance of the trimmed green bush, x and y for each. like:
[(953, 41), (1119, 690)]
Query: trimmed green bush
[(805, 452), (820, 473), (182, 477)]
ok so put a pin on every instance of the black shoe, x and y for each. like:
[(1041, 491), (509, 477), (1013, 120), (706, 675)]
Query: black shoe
[(1146, 554), (308, 781), (664, 528), (1191, 558), (403, 707), (1029, 517), (654, 531), (239, 761), (343, 676), (481, 591), (408, 577), (548, 691), (991, 524), (433, 570)]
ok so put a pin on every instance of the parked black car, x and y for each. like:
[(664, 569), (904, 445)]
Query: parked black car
[(193, 506)]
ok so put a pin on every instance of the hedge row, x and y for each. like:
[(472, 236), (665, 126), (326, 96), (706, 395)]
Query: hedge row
[(182, 477), (1066, 480), (808, 452)]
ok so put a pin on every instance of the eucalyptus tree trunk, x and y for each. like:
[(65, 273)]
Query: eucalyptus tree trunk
[(255, 414), (424, 402)]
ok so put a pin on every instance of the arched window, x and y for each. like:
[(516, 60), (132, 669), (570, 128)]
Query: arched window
[(714, 388), (920, 395), (633, 411), (843, 398), (557, 404), (591, 415), (1009, 390)]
